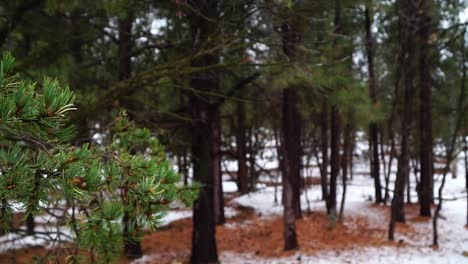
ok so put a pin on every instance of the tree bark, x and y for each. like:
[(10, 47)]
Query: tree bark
[(291, 166), (465, 151), (344, 164), (425, 122), (335, 135), (406, 10), (334, 161), (204, 248), (324, 146), (125, 46), (241, 143), (373, 128), (218, 199)]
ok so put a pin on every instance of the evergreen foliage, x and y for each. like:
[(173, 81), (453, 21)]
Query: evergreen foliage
[(94, 186)]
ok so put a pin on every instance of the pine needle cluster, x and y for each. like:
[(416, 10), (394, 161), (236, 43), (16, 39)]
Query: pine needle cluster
[(94, 187)]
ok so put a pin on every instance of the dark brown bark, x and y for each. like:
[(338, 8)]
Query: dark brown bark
[(465, 151), (204, 248), (406, 10), (291, 166), (334, 159), (324, 147), (425, 122), (335, 133), (241, 143), (389, 168), (373, 128), (218, 199), (465, 141), (125, 47), (383, 161), (291, 121), (344, 164)]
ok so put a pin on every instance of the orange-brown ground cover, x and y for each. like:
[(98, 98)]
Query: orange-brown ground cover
[(263, 237)]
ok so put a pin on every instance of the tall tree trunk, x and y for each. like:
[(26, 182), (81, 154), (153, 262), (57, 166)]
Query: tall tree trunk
[(373, 128), (125, 46), (185, 166), (406, 61), (344, 163), (291, 147), (324, 146), (465, 151), (218, 199), (241, 143), (253, 140), (204, 248), (425, 122), (382, 158), (291, 166), (334, 161), (389, 168), (335, 135), (291, 121), (465, 141), (278, 145)]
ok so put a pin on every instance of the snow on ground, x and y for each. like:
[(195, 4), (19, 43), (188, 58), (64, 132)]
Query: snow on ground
[(453, 236), (229, 187)]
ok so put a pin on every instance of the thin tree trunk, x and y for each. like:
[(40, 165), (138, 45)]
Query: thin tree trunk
[(344, 165), (373, 128), (185, 166), (280, 160), (324, 165), (252, 155), (335, 136), (406, 61), (389, 168), (465, 141), (241, 150), (334, 161), (465, 151), (351, 153), (384, 162), (408, 185)]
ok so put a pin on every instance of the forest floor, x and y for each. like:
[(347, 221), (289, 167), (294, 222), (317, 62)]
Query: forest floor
[(253, 232)]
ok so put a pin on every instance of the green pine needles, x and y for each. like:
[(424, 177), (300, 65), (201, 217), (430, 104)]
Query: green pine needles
[(89, 191)]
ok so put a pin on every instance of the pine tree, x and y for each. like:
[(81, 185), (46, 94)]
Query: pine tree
[(95, 186)]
